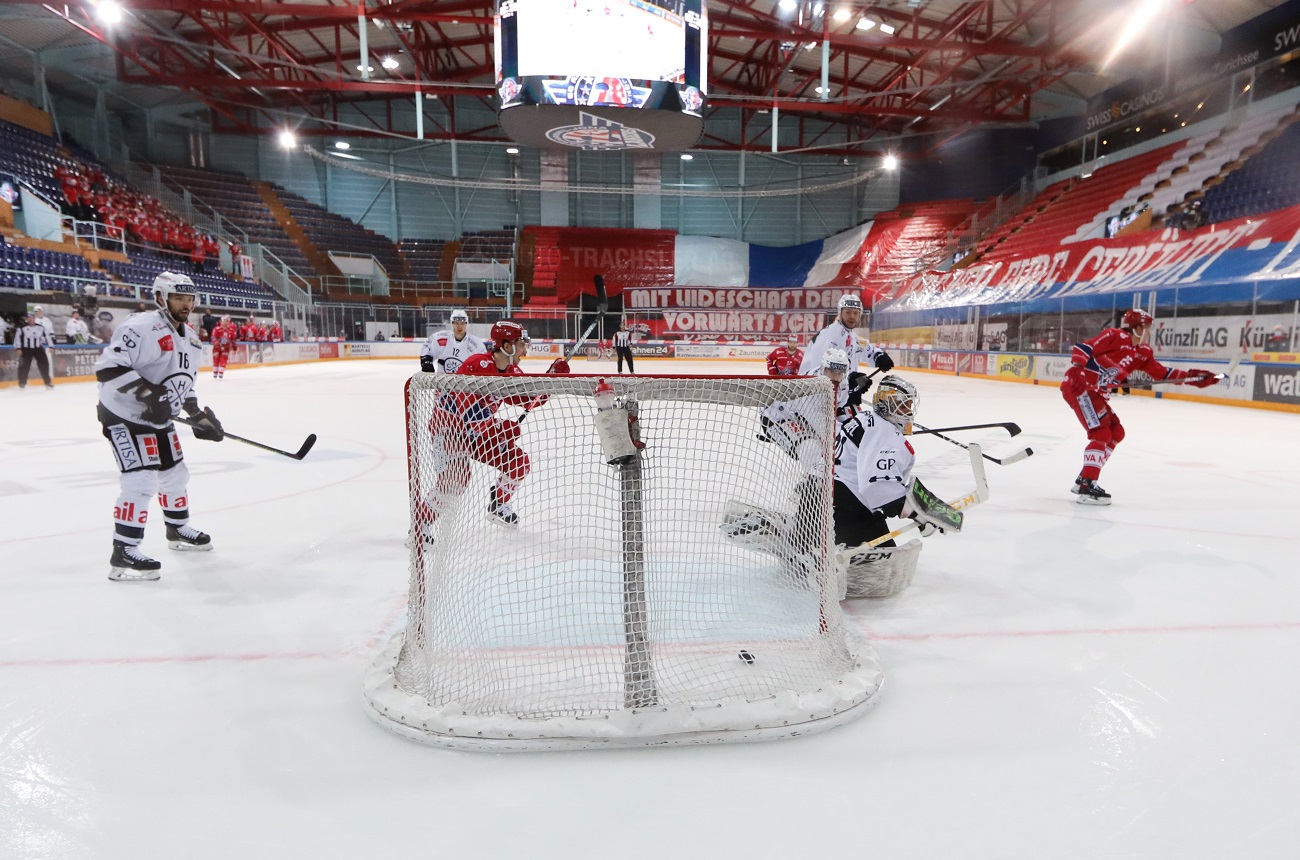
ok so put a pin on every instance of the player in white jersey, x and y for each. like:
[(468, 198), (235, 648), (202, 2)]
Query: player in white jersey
[(146, 376), (444, 351), (840, 334)]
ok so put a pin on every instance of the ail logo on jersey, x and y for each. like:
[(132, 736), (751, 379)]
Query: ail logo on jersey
[(165, 343), (128, 513)]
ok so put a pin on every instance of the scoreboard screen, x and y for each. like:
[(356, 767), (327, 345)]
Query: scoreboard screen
[(639, 54)]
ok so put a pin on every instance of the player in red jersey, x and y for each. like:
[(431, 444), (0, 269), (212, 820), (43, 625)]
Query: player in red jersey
[(465, 427), (1099, 366), (785, 360), (224, 335)]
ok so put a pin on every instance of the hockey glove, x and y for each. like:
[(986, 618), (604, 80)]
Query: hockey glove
[(764, 423), (559, 366), (205, 426), (1202, 378), (859, 383), (925, 525), (884, 363), (157, 405), (426, 363)]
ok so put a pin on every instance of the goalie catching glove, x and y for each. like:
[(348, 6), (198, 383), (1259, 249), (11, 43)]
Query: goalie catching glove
[(205, 423)]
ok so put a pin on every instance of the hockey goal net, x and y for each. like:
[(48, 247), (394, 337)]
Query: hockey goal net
[(687, 595)]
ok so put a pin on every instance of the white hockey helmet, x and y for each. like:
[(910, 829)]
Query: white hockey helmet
[(835, 360), (895, 401), (459, 316), (170, 283), (850, 301)]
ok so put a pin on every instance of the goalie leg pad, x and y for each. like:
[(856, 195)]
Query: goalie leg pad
[(755, 527), (880, 572)]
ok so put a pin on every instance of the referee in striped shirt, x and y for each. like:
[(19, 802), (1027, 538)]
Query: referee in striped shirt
[(31, 340), (623, 347)]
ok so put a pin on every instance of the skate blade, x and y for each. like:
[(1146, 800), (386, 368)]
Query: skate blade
[(126, 574), (1089, 500), (502, 523), (182, 546)]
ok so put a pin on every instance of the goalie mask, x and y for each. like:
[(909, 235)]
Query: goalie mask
[(895, 401)]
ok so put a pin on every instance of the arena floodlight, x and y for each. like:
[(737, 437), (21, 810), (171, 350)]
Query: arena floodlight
[(287, 139), (865, 24), (512, 150), (686, 156), (843, 14), (787, 5), (390, 63), (888, 29), (890, 162), (109, 12), (1138, 24), (342, 144)]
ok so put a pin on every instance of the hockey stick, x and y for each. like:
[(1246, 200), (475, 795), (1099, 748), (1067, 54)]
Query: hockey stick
[(970, 500), (602, 307), (1005, 461), (1012, 428), (302, 452)]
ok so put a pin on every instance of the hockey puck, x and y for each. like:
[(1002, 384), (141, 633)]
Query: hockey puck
[(747, 657)]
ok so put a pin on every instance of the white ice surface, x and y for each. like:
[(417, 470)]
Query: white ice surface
[(1063, 681)]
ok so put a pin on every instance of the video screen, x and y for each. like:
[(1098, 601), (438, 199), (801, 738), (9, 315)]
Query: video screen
[(601, 52)]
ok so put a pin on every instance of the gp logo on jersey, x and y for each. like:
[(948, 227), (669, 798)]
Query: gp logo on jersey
[(597, 134)]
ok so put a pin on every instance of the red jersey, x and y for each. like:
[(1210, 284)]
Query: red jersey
[(782, 362), (247, 332), (474, 409), (1108, 359), (224, 336)]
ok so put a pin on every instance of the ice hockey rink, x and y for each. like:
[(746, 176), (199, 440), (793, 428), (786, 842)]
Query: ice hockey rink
[(1062, 681)]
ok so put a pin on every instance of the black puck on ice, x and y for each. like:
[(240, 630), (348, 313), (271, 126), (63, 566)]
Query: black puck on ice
[(747, 657)]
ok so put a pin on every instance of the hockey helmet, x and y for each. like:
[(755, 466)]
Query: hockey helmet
[(459, 316), (792, 338), (850, 301), (505, 332), (170, 283), (1135, 318), (895, 401), (835, 360)]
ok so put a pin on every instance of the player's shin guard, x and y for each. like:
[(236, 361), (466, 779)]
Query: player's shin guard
[(176, 511)]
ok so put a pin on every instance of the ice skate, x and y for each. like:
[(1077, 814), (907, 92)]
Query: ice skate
[(1089, 493), (426, 532), (187, 539), (131, 565), (504, 513)]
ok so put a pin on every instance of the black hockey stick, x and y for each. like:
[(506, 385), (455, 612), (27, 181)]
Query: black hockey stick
[(602, 307), (302, 452), (1005, 461), (1012, 428)]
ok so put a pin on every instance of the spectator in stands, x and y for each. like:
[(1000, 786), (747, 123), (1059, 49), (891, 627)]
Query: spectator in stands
[(1278, 341)]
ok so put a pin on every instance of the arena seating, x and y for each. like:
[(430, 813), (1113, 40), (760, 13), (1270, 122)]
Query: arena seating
[(36, 269), (236, 199), (909, 239), (1267, 181), (423, 258), (218, 289), (330, 232), (32, 157)]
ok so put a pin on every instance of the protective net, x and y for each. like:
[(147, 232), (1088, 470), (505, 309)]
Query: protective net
[(688, 594)]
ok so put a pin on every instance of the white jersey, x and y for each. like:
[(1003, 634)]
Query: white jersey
[(146, 346), (793, 427), (76, 331), (448, 353), (873, 459), (837, 335)]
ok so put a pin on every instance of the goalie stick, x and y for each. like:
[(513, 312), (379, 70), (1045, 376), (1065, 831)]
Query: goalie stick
[(298, 455), (1004, 461), (1012, 428), (970, 500)]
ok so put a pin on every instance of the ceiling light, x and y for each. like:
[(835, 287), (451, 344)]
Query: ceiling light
[(1182, 125), (390, 63), (109, 12), (820, 90), (1139, 128), (1139, 22), (890, 162), (686, 156), (342, 144), (366, 69), (843, 14), (512, 150), (888, 29), (287, 139), (1201, 105), (787, 5), (865, 23)]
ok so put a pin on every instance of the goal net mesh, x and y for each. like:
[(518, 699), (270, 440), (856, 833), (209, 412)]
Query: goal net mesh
[(689, 595)]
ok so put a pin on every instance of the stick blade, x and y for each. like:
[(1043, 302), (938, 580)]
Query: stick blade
[(306, 446), (1012, 428), (1016, 457)]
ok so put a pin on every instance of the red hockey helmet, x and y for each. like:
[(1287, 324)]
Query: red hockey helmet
[(1135, 318), (506, 332)]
